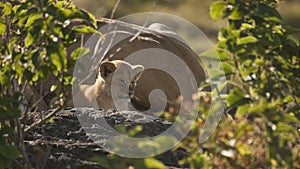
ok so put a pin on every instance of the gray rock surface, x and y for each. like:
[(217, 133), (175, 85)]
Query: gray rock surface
[(63, 143)]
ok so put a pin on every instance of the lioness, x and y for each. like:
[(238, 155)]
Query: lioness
[(111, 87), (152, 79)]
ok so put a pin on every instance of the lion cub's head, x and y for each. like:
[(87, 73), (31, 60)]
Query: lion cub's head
[(115, 83)]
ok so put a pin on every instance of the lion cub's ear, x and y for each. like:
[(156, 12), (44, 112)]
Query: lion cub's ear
[(107, 68)]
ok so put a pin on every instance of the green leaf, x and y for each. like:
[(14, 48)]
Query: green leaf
[(236, 15), (31, 19), (290, 118), (75, 13), (35, 59), (7, 9), (240, 131), (246, 40), (150, 163), (58, 56), (68, 14), (88, 16), (29, 40), (268, 13), (53, 10), (53, 88), (228, 68), (244, 149), (286, 128), (79, 52), (247, 26), (87, 29), (237, 97), (2, 28), (242, 110), (217, 10)]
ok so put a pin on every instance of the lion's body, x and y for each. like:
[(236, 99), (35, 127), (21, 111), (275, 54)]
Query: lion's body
[(157, 79)]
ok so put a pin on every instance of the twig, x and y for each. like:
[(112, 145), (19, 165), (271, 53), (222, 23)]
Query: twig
[(22, 145), (18, 163), (144, 25), (41, 121), (109, 29), (130, 25), (7, 32), (20, 129), (114, 9)]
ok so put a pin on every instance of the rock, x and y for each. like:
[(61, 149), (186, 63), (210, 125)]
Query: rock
[(64, 143)]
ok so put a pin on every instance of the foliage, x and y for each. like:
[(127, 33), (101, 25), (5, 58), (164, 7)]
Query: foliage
[(113, 161), (261, 62), (263, 113), (34, 36)]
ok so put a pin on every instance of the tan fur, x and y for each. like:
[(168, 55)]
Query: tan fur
[(100, 91)]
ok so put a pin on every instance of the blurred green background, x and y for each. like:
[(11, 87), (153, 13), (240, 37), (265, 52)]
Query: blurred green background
[(195, 11)]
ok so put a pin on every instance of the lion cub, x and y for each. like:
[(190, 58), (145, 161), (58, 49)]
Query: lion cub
[(114, 85)]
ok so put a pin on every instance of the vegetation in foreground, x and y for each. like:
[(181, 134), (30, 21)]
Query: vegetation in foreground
[(260, 128)]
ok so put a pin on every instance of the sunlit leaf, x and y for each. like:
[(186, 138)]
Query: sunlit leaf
[(53, 88), (51, 120), (247, 26), (246, 40), (88, 16), (286, 128), (228, 68), (235, 15), (217, 9), (29, 40), (237, 97), (87, 29), (57, 54), (79, 52), (150, 163), (7, 9), (2, 28), (244, 149), (268, 13), (31, 19)]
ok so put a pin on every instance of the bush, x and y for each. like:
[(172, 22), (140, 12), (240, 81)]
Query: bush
[(262, 65), (261, 62), (34, 37)]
